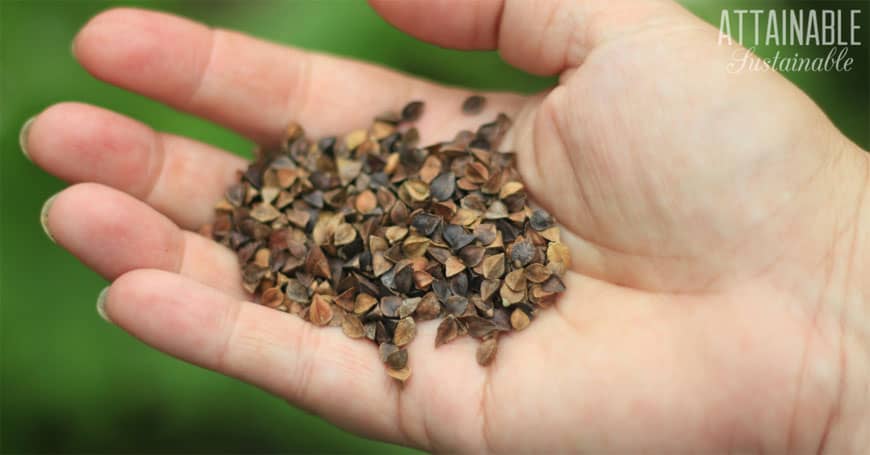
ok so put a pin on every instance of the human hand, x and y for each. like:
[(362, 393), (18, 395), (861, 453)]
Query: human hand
[(715, 222)]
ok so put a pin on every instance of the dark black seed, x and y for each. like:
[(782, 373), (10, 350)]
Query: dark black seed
[(324, 180), (439, 254), (553, 284), (455, 305), (457, 237), (443, 186), (523, 252), (388, 279), (473, 104), (381, 335), (509, 232), (540, 220), (326, 145), (236, 194), (391, 142), (379, 179), (390, 306), (404, 279), (397, 360), (502, 319), (254, 176), (314, 199), (480, 143), (441, 290), (471, 255), (478, 327), (412, 111), (459, 284), (425, 223)]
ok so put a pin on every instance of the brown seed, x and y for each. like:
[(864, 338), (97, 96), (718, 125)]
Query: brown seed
[(511, 297), (402, 374), (298, 217), (447, 331), (364, 303), (354, 139), (380, 265), (395, 233), (385, 350), (272, 297), (428, 308), (262, 257), (409, 305), (417, 190), (537, 273), (316, 263), (264, 213), (473, 104), (472, 255), (406, 330), (320, 312), (352, 327), (478, 327), (366, 202), (422, 280), (346, 299), (493, 266), (486, 351), (496, 210), (485, 233), (415, 246), (509, 189), (552, 234), (412, 111), (516, 280), (380, 129), (558, 252), (465, 217), (344, 234), (488, 288), (392, 163), (519, 319), (453, 266), (269, 194), (431, 168)]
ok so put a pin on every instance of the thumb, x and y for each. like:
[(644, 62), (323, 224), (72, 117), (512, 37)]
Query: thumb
[(543, 37)]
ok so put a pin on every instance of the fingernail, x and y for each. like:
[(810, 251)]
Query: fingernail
[(43, 217), (101, 304), (22, 137)]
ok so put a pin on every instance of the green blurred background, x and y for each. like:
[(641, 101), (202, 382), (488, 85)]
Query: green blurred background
[(70, 383)]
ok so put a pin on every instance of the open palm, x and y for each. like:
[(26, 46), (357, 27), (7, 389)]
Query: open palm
[(697, 205)]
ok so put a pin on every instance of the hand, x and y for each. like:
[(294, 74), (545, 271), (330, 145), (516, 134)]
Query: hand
[(717, 224)]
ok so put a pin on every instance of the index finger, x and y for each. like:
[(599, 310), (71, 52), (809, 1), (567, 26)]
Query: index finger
[(253, 86)]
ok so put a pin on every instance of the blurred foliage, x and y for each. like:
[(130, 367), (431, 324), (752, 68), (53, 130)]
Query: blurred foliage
[(70, 382)]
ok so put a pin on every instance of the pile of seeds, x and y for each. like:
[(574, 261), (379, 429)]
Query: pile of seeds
[(372, 233)]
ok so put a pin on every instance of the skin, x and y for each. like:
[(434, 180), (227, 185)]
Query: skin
[(717, 222)]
